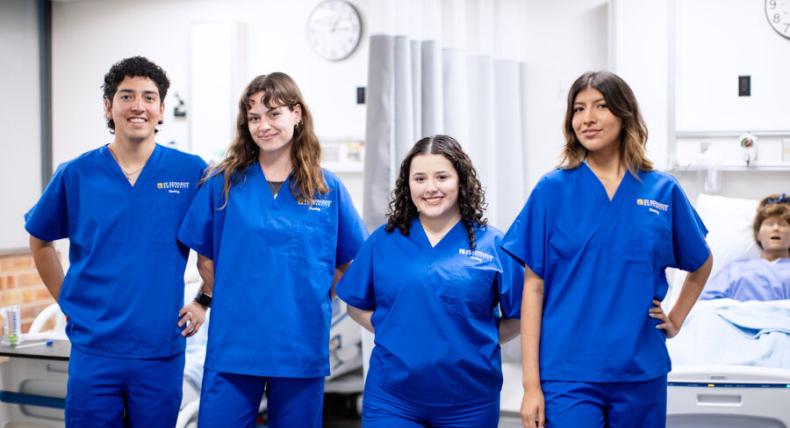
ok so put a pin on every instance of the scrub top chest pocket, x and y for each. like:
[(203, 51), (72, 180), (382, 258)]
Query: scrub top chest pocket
[(167, 206), (650, 239), (465, 284), (313, 233)]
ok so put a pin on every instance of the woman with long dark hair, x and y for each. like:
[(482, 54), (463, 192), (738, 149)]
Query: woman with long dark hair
[(595, 238), (278, 229), (433, 287)]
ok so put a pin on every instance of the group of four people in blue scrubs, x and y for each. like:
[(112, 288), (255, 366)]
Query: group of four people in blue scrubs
[(440, 288)]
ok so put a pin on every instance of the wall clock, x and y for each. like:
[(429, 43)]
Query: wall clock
[(334, 29)]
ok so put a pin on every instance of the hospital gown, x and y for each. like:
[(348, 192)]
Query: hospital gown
[(753, 279)]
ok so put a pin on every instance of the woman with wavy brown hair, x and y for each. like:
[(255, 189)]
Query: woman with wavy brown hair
[(438, 295), (278, 229), (595, 238)]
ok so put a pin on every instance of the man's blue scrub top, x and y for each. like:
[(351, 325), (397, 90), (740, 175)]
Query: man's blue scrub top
[(274, 261), (603, 263), (435, 312), (125, 283)]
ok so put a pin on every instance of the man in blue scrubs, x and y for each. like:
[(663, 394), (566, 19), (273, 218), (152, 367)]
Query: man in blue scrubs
[(120, 206)]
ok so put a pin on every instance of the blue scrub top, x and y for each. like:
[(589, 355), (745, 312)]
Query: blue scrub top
[(125, 283), (603, 263), (435, 312), (274, 262)]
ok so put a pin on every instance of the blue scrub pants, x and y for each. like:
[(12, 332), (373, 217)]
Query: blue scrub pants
[(382, 410), (232, 400), (106, 392), (606, 404)]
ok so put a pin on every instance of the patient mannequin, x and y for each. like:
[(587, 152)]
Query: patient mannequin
[(766, 278)]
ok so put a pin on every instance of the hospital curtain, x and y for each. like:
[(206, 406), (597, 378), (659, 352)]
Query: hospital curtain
[(451, 67)]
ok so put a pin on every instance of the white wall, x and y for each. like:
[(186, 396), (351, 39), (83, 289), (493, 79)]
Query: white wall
[(644, 33), (20, 159), (719, 40), (564, 39)]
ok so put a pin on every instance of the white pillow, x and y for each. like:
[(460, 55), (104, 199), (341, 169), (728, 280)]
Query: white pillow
[(730, 233), (730, 236)]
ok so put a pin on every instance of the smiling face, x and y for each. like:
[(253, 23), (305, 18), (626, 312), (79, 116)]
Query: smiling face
[(774, 235), (433, 185), (136, 109), (272, 129), (595, 126)]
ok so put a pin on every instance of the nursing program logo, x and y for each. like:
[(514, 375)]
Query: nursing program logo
[(476, 255), (318, 204), (653, 206), (173, 186)]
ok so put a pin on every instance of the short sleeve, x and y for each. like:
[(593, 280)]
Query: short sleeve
[(356, 287), (688, 234), (197, 228), (351, 229), (526, 238), (48, 220), (510, 284), (718, 287)]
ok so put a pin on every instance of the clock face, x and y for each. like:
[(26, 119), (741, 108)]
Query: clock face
[(334, 29), (778, 14)]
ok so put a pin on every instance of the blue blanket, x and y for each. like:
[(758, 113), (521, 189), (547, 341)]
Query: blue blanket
[(725, 331)]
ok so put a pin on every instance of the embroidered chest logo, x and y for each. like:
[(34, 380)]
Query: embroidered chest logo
[(173, 186), (653, 206), (318, 204), (476, 255)]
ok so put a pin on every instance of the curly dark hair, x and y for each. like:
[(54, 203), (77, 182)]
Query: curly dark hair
[(471, 198), (136, 66)]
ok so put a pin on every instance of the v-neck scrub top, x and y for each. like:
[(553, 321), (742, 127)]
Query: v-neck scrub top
[(435, 312), (274, 262), (125, 282), (602, 262)]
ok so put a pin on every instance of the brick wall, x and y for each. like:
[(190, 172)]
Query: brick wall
[(21, 285)]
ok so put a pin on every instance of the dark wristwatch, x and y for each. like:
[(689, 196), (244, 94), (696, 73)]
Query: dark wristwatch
[(203, 299)]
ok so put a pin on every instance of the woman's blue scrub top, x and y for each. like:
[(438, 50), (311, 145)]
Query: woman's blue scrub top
[(435, 312), (602, 262), (125, 282), (274, 262)]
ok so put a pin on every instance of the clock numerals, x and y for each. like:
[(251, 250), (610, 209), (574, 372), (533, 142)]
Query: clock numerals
[(777, 13)]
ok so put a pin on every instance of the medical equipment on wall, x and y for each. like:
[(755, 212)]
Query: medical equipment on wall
[(748, 144)]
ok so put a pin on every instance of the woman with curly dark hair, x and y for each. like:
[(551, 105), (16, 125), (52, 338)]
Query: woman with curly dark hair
[(278, 230), (431, 284)]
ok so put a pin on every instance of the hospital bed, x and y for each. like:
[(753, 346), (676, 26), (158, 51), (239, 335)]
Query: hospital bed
[(733, 384), (34, 388)]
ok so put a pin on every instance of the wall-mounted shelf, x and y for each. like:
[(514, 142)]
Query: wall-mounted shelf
[(731, 168), (343, 155)]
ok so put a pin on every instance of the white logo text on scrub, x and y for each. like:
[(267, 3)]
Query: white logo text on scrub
[(652, 205)]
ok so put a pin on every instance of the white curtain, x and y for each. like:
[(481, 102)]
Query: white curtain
[(447, 67)]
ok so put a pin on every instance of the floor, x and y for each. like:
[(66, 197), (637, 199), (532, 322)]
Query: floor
[(340, 411)]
